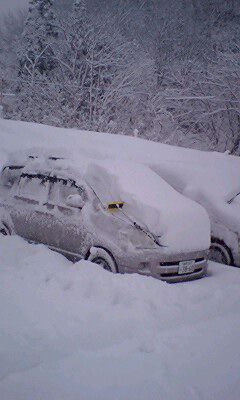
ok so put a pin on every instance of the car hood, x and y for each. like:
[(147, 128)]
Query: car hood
[(179, 223)]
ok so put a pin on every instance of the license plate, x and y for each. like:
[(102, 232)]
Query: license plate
[(186, 267)]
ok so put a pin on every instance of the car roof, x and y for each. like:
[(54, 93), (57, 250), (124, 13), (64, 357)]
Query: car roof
[(57, 167)]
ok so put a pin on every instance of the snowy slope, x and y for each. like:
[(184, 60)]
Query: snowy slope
[(73, 332)]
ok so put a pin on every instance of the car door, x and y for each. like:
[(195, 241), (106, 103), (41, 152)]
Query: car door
[(27, 212), (9, 179), (66, 229)]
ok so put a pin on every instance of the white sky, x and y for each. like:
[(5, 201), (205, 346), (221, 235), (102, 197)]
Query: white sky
[(8, 5)]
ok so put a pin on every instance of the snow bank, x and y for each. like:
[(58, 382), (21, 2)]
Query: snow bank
[(181, 224), (73, 332)]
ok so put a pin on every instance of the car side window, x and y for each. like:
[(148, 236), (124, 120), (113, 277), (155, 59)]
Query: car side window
[(9, 176), (60, 190), (33, 188)]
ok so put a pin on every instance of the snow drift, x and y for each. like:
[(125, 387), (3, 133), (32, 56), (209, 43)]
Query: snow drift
[(73, 332)]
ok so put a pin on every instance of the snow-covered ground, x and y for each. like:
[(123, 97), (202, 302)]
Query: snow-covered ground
[(77, 332), (71, 332)]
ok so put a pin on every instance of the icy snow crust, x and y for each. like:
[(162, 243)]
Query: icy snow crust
[(210, 178), (77, 332)]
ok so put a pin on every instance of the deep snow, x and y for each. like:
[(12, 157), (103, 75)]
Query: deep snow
[(71, 332)]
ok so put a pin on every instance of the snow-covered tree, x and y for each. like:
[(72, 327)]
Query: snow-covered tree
[(35, 50), (35, 53), (167, 69), (97, 69)]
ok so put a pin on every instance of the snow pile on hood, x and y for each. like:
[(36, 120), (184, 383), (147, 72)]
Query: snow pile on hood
[(75, 332), (181, 224)]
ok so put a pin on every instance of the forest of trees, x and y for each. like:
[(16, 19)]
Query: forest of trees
[(165, 70)]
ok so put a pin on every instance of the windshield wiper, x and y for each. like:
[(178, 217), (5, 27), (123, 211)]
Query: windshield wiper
[(132, 222), (146, 231)]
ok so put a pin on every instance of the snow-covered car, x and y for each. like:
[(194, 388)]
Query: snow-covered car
[(122, 216), (209, 178), (212, 180)]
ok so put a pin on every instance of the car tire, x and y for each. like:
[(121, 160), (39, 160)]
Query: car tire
[(220, 252), (102, 257)]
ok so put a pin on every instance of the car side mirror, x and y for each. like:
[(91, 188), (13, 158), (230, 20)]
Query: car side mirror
[(75, 200)]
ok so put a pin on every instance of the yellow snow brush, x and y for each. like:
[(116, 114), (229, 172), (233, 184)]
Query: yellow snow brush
[(114, 206)]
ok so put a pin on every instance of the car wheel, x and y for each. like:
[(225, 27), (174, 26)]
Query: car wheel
[(220, 253), (103, 258)]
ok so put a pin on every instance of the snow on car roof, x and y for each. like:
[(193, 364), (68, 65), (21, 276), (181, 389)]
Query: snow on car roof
[(49, 163)]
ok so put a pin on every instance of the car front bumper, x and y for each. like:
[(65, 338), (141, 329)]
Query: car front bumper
[(167, 268), (171, 273)]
